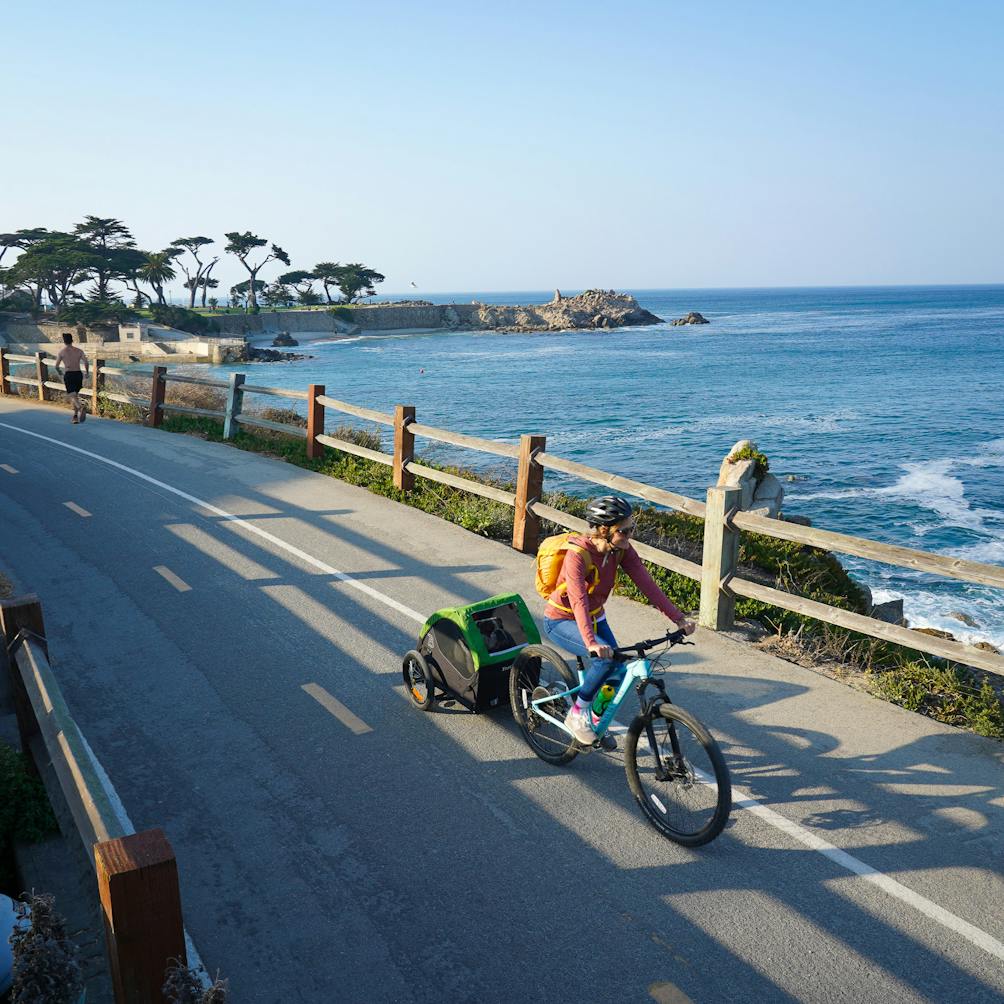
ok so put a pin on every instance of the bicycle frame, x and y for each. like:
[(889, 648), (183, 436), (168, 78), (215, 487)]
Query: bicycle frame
[(638, 672)]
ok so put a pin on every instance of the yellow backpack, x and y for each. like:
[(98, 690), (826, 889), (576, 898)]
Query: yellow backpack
[(550, 558)]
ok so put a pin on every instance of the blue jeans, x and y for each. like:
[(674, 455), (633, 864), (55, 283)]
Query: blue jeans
[(566, 635)]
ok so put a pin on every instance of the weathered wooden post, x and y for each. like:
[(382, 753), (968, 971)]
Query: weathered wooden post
[(23, 613), (4, 372), (158, 388), (721, 556), (404, 447), (41, 375), (315, 421), (97, 385), (235, 403), (529, 486), (141, 902)]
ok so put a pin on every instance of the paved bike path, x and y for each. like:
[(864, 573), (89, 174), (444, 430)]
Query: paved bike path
[(433, 857)]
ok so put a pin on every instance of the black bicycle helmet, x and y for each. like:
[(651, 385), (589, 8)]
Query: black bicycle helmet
[(608, 511)]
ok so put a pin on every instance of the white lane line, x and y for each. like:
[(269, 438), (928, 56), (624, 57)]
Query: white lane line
[(342, 713), (194, 959), (925, 906), (230, 517), (968, 931), (8, 468), (73, 507), (179, 584)]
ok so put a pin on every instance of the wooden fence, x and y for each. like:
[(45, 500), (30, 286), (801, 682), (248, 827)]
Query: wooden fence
[(721, 513), (136, 873)]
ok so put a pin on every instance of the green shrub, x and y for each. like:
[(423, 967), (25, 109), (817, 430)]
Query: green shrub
[(948, 693), (92, 312), (761, 463), (182, 319), (25, 814)]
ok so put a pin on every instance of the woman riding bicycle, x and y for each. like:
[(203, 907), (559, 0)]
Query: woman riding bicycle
[(574, 617)]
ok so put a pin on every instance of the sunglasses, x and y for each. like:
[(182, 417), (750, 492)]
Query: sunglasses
[(626, 530)]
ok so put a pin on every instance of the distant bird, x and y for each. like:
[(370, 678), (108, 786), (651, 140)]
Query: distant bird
[(415, 285)]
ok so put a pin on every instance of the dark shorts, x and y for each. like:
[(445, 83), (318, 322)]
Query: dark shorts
[(73, 381)]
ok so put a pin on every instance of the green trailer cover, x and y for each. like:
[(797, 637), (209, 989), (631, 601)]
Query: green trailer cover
[(464, 618)]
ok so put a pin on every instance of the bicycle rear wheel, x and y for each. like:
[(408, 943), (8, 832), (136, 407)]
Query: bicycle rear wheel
[(540, 671), (678, 775)]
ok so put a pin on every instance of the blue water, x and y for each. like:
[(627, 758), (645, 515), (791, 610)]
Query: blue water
[(886, 404)]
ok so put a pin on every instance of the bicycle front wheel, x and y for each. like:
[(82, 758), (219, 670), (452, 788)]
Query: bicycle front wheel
[(677, 774), (540, 672)]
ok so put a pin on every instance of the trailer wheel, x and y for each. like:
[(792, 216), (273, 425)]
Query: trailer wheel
[(415, 671)]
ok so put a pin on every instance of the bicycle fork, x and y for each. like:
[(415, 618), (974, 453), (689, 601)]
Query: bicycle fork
[(662, 773)]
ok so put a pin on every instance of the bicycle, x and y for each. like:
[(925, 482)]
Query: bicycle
[(674, 767)]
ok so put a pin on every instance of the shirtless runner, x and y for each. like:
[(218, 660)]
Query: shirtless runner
[(71, 359)]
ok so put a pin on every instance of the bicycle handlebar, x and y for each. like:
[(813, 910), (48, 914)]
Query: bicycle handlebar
[(677, 637)]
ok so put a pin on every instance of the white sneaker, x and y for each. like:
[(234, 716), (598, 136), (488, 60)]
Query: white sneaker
[(578, 723)]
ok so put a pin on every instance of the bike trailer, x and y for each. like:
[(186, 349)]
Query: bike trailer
[(467, 652)]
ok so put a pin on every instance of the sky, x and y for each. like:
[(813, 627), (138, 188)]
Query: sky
[(519, 145)]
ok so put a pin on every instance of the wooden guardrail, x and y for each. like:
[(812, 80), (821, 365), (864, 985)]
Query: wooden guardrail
[(136, 873), (723, 519)]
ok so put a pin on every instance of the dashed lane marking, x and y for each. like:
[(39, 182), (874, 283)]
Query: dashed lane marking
[(893, 888), (73, 507), (180, 584), (342, 713)]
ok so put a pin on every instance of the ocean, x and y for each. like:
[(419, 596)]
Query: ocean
[(883, 405)]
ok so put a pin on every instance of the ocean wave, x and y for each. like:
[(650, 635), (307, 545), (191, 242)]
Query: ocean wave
[(931, 610), (926, 484)]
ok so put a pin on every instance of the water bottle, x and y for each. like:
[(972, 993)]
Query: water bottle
[(602, 700)]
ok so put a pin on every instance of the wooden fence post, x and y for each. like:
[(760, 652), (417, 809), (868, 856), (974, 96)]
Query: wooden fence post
[(41, 375), (15, 615), (721, 556), (235, 402), (315, 421), (529, 485), (404, 447), (97, 385), (141, 902), (4, 372), (158, 388)]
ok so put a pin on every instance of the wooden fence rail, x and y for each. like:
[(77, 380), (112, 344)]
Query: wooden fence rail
[(136, 873), (723, 520)]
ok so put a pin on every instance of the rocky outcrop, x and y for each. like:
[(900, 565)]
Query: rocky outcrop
[(964, 617), (762, 493), (252, 354), (592, 309), (891, 612), (284, 340), (692, 318)]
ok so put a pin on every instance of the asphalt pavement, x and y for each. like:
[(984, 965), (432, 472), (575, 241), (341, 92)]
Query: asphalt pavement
[(203, 604)]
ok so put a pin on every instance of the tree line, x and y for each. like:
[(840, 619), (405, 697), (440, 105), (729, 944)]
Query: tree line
[(83, 274)]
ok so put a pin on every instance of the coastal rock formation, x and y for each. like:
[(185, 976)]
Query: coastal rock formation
[(743, 468), (252, 354), (891, 612), (592, 309), (692, 318), (959, 615), (284, 340)]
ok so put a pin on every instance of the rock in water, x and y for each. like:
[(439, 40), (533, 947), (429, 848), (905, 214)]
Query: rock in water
[(964, 617), (692, 318), (595, 308), (284, 340)]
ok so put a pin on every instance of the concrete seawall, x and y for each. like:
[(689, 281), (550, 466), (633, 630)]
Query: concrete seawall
[(371, 317)]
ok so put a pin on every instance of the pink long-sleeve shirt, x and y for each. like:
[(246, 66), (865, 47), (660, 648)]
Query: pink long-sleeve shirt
[(585, 607)]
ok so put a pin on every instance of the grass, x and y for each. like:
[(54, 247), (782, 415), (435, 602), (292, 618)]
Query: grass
[(25, 813)]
